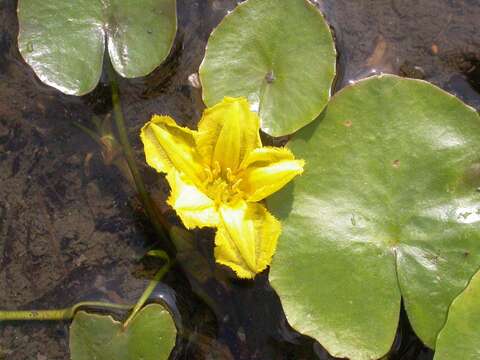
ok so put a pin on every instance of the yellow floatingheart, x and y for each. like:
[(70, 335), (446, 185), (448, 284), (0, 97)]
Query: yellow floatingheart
[(219, 175)]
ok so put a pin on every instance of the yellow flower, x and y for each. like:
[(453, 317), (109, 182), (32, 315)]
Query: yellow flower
[(219, 175)]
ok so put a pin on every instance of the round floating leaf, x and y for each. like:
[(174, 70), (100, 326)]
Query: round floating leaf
[(278, 54), (64, 41), (388, 206), (150, 336), (460, 338)]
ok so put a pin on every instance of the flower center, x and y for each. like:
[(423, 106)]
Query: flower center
[(222, 187)]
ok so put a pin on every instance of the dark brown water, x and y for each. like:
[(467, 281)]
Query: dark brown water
[(71, 228)]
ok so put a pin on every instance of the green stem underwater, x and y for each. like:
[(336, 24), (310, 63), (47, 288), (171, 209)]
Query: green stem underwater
[(148, 291), (59, 314), (150, 208)]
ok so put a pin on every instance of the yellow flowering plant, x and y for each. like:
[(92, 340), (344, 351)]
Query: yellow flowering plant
[(219, 176)]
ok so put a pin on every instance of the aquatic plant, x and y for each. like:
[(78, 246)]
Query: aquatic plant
[(460, 336), (150, 336), (218, 176), (149, 332), (278, 54), (64, 41), (386, 211)]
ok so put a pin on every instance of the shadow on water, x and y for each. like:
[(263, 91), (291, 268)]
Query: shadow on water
[(70, 228)]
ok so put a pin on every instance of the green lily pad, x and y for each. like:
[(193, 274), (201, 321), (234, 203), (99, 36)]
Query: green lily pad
[(460, 338), (388, 207), (64, 41), (150, 336), (278, 54)]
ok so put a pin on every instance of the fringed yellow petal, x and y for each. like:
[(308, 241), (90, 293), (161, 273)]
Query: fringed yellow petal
[(194, 208), (171, 147), (267, 170), (227, 132), (266, 155), (246, 238)]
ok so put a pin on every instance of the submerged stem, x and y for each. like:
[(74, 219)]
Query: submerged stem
[(150, 208), (59, 314), (148, 291)]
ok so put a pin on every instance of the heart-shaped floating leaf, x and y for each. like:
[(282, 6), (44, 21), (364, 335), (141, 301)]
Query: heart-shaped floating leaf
[(278, 54), (460, 338), (150, 336), (64, 41), (388, 206)]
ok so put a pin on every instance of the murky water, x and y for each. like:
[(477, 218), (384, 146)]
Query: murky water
[(71, 228)]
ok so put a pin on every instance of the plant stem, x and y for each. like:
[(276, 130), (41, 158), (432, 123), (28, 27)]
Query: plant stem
[(59, 314), (147, 292), (150, 208)]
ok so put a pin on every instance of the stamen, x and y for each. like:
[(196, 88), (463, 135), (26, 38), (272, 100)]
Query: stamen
[(230, 177), (216, 169), (222, 187), (209, 178), (236, 186)]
